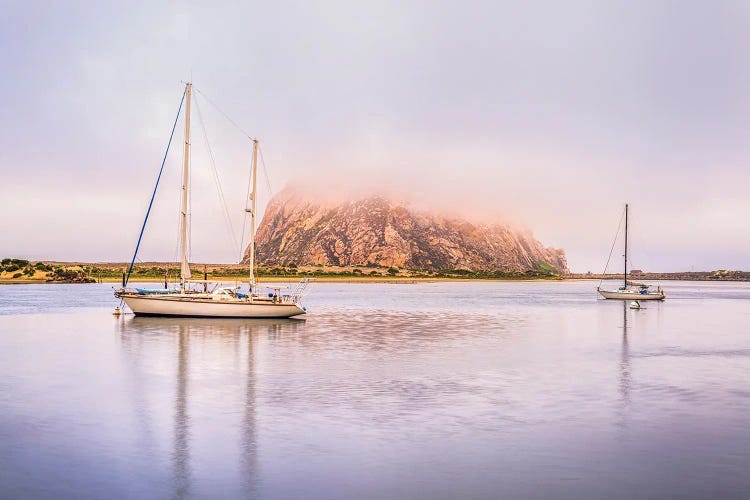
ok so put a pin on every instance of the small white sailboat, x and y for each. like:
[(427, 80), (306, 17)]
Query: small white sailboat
[(192, 298), (631, 290)]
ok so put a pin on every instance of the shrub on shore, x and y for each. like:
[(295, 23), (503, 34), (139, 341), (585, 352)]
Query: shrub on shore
[(69, 275)]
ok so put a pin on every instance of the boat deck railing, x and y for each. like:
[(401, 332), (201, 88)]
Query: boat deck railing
[(299, 291), (276, 296)]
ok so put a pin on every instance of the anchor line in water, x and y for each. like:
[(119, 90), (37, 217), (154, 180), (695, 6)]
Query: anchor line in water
[(153, 195)]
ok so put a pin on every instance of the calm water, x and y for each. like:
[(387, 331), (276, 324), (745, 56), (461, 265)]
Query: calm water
[(439, 390)]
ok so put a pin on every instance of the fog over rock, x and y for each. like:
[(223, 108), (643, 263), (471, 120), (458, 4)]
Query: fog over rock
[(377, 231)]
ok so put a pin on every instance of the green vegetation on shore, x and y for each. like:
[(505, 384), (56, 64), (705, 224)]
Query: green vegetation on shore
[(19, 270), (22, 270), (25, 271)]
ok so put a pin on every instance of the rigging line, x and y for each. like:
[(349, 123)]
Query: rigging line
[(630, 259), (632, 266), (223, 113), (215, 173), (178, 214), (153, 195), (248, 136), (245, 217), (265, 171), (242, 239), (614, 242), (176, 254)]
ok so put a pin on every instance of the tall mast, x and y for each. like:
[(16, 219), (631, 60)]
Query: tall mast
[(625, 276), (251, 209), (184, 266)]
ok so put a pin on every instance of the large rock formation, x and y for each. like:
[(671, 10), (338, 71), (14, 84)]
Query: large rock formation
[(377, 232)]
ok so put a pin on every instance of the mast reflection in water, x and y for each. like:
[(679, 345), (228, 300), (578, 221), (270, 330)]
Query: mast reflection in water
[(181, 452), (214, 341), (625, 365)]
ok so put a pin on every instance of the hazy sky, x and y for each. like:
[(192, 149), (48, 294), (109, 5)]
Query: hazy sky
[(548, 114)]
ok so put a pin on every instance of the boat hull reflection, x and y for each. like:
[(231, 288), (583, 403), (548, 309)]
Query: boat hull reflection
[(196, 343)]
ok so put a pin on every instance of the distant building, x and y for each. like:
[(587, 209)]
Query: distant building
[(636, 271)]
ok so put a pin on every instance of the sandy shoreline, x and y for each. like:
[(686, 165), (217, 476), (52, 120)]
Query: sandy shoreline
[(334, 279), (282, 279)]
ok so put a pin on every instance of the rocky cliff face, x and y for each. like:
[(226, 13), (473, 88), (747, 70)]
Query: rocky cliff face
[(378, 232)]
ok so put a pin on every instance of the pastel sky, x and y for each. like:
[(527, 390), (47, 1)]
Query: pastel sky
[(549, 114)]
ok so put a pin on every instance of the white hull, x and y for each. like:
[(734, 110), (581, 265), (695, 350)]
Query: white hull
[(631, 295), (176, 305)]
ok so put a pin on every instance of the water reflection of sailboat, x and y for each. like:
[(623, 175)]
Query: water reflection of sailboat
[(625, 360), (248, 441), (181, 451), (228, 332), (221, 327)]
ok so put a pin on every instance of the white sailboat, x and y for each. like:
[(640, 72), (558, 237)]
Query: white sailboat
[(221, 301), (629, 289)]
